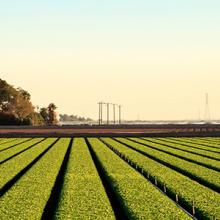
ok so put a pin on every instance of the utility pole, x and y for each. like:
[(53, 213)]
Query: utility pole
[(114, 113), (119, 108), (101, 113), (100, 121), (107, 113)]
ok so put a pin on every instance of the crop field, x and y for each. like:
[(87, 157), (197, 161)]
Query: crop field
[(109, 178)]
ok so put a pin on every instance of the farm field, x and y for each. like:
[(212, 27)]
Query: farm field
[(109, 178)]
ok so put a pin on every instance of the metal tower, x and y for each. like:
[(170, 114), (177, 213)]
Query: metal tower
[(207, 111)]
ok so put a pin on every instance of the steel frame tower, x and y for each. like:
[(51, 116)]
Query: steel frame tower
[(207, 111)]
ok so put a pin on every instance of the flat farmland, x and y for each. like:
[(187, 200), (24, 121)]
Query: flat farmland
[(151, 130), (109, 178)]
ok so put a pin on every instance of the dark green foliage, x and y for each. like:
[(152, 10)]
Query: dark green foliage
[(30, 174), (16, 108), (49, 115)]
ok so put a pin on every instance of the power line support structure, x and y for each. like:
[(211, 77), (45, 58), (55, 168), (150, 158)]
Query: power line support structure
[(100, 113), (119, 108), (207, 110)]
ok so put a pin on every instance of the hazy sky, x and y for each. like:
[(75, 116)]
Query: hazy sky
[(156, 58)]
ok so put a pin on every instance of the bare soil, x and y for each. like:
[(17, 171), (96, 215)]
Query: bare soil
[(110, 130)]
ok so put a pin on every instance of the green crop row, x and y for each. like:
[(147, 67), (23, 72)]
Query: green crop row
[(202, 142), (3, 140), (83, 195), (206, 201), (28, 197), (9, 144), (207, 162), (11, 168), (139, 198), (197, 151), (196, 145), (212, 140), (203, 175), (18, 148)]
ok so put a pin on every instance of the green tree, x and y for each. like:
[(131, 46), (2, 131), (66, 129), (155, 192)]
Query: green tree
[(16, 106), (52, 114), (44, 114), (49, 114)]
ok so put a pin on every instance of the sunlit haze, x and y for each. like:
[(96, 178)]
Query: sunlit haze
[(157, 59)]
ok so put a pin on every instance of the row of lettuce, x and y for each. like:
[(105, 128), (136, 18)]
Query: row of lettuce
[(28, 196), (83, 194), (203, 175), (206, 201), (203, 160), (200, 146)]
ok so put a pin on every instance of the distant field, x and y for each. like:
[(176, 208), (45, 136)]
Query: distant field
[(110, 178), (111, 130)]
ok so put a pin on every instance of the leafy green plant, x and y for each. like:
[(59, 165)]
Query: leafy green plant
[(5, 145), (208, 177), (201, 152), (11, 168), (196, 145), (83, 195), (18, 148), (206, 201), (204, 161), (28, 197), (139, 198)]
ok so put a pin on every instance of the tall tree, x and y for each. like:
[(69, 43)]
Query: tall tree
[(52, 114), (45, 115), (16, 106)]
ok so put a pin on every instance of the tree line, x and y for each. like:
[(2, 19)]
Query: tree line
[(74, 118), (16, 108)]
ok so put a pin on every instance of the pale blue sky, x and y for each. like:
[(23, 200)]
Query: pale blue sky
[(157, 58)]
